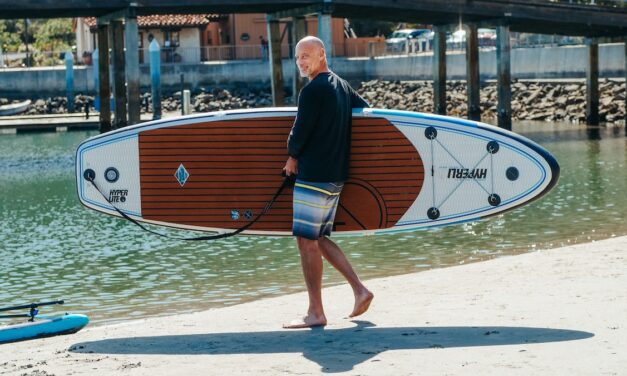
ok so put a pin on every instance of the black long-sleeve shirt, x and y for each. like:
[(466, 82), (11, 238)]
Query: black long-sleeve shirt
[(321, 134)]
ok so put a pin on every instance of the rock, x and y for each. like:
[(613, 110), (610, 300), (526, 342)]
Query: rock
[(570, 88), (606, 101), (530, 100), (533, 96)]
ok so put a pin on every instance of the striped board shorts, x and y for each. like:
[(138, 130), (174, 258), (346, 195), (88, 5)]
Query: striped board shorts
[(315, 205)]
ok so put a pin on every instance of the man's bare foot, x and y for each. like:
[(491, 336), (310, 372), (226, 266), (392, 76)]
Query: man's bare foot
[(362, 302), (308, 321)]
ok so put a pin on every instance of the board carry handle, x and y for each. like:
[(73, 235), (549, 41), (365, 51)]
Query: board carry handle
[(288, 181)]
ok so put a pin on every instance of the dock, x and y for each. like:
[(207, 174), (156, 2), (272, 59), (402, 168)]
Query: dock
[(58, 122)]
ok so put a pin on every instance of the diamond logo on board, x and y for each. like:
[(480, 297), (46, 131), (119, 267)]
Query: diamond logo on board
[(181, 175)]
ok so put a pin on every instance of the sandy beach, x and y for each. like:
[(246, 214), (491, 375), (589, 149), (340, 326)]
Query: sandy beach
[(555, 312)]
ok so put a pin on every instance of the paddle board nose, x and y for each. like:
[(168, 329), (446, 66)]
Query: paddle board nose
[(552, 172), (109, 162)]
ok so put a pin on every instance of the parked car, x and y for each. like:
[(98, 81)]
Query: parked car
[(487, 37), (457, 39), (398, 40)]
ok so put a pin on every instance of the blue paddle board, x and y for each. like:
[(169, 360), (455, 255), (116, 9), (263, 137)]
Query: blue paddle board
[(43, 327)]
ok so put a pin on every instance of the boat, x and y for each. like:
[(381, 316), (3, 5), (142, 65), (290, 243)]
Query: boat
[(14, 108)]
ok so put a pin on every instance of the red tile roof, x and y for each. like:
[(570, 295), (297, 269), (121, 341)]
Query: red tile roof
[(169, 20)]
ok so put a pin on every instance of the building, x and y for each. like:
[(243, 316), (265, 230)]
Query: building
[(196, 38), (179, 36)]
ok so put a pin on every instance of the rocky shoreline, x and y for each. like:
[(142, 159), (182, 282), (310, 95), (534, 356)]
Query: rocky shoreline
[(543, 101)]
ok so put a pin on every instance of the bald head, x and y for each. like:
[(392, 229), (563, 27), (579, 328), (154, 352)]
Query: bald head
[(310, 56), (311, 41)]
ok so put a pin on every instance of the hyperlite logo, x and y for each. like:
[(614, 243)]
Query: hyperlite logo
[(118, 195), (466, 173)]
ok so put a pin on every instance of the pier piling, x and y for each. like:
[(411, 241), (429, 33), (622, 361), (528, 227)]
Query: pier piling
[(119, 73), (104, 90), (131, 34), (472, 72), (69, 80), (155, 78), (276, 67), (439, 70), (504, 77), (300, 31), (592, 83)]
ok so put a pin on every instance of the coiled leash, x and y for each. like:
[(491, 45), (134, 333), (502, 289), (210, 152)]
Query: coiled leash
[(288, 181)]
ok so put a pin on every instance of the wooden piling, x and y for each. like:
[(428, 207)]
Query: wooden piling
[(119, 73), (472, 72), (276, 68), (131, 34), (504, 77), (439, 71), (104, 89), (592, 83), (300, 31)]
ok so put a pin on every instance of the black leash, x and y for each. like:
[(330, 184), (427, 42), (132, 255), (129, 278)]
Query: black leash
[(287, 182)]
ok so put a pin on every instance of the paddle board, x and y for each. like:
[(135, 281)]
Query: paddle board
[(43, 326), (216, 171)]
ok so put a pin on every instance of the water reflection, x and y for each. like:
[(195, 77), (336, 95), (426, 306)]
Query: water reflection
[(53, 247)]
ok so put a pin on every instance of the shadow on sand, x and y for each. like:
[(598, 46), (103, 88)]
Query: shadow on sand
[(335, 350)]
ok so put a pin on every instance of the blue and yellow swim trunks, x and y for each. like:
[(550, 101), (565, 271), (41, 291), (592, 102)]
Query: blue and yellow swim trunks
[(315, 205)]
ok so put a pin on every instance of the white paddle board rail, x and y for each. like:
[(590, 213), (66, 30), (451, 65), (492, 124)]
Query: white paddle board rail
[(409, 170)]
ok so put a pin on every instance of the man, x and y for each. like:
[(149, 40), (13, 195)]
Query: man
[(263, 43), (319, 151)]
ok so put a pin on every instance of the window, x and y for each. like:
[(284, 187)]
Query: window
[(172, 39)]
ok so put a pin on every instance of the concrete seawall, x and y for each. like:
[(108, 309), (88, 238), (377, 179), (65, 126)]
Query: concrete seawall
[(541, 63)]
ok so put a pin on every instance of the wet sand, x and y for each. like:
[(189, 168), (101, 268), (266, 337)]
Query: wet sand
[(555, 312)]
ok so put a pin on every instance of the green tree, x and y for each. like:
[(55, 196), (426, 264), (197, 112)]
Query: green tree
[(11, 35), (53, 35), (46, 38)]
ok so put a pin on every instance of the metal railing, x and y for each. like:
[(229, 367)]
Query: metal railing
[(33, 59), (191, 55)]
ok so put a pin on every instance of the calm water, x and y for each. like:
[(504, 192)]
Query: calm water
[(52, 247)]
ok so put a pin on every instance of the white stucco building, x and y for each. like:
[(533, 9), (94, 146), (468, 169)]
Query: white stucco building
[(181, 37)]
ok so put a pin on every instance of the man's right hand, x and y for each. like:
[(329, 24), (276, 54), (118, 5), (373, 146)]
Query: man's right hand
[(291, 166)]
